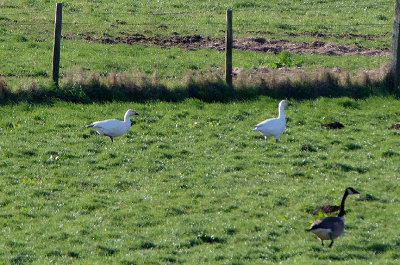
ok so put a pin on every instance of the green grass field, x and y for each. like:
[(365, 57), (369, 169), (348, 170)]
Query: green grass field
[(191, 183), (27, 34)]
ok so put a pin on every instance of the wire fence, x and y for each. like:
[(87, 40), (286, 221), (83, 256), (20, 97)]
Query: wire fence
[(288, 22)]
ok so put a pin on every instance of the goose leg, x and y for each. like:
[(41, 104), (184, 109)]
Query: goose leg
[(330, 245), (111, 139), (266, 138)]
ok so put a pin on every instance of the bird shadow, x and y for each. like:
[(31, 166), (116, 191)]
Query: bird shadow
[(351, 251), (377, 248)]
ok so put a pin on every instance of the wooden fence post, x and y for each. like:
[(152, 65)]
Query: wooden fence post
[(228, 48), (56, 46), (395, 59)]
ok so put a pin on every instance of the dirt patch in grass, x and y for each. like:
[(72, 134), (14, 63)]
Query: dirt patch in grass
[(259, 44), (333, 125)]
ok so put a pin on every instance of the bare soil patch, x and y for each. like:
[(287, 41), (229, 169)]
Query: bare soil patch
[(333, 125), (259, 44), (395, 126)]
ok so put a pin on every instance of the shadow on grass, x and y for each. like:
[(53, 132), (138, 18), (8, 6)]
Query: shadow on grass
[(86, 87), (351, 252), (376, 248)]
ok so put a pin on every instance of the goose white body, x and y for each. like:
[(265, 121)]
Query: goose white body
[(113, 128), (275, 126)]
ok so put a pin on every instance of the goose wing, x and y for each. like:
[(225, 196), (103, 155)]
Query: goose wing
[(110, 127), (325, 223), (274, 126)]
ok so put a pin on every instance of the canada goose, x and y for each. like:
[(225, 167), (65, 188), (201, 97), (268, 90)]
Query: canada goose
[(275, 126), (113, 128), (330, 228)]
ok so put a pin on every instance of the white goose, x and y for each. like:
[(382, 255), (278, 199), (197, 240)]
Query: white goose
[(113, 128), (275, 126)]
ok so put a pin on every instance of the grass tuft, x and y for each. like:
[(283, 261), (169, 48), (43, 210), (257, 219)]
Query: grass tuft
[(147, 245), (107, 251), (210, 238), (368, 197), (390, 153), (308, 148), (353, 146)]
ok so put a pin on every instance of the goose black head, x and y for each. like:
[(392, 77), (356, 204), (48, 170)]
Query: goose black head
[(350, 190)]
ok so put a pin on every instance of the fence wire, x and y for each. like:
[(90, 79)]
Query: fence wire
[(377, 25), (76, 25)]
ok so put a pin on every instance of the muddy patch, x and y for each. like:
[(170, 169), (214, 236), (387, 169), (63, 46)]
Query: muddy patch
[(333, 125), (395, 126), (259, 44)]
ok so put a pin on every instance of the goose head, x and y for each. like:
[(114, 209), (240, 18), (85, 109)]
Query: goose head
[(129, 113), (284, 104), (350, 190)]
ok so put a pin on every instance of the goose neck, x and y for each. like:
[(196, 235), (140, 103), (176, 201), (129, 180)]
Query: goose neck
[(342, 211), (126, 118), (281, 111)]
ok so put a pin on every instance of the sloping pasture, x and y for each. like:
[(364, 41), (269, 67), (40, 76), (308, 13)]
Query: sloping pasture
[(191, 183)]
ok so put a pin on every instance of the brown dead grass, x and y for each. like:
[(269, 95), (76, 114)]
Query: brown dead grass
[(306, 83), (85, 86), (128, 85), (279, 78)]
